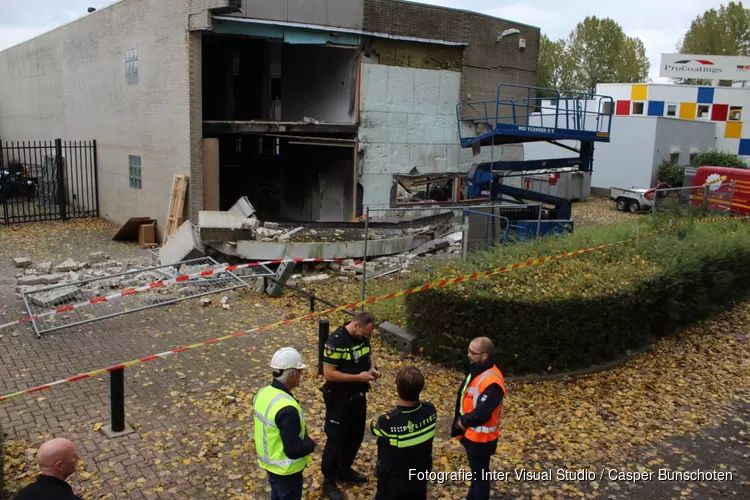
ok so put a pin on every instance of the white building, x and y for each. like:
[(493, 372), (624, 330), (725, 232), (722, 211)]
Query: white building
[(652, 123)]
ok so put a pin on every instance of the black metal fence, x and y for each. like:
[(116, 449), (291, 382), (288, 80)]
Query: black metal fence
[(48, 180)]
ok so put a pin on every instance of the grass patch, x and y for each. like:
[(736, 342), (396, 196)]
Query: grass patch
[(586, 309)]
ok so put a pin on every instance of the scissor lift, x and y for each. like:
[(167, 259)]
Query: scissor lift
[(519, 116)]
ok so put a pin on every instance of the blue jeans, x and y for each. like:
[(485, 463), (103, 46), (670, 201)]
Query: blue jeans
[(286, 487)]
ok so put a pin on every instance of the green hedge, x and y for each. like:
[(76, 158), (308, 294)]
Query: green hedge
[(586, 309)]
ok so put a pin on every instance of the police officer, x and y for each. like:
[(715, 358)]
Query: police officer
[(281, 439), (479, 412), (405, 437), (348, 367)]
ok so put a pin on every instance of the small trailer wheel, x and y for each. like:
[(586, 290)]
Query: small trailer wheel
[(634, 207), (622, 204)]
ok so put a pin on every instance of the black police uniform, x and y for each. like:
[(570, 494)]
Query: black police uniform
[(346, 405), (405, 437)]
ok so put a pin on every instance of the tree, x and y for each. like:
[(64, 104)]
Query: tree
[(597, 51), (551, 69), (601, 52), (725, 31)]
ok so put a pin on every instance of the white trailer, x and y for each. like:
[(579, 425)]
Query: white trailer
[(631, 200)]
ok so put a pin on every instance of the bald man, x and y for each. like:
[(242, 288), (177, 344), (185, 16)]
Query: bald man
[(479, 414), (57, 460)]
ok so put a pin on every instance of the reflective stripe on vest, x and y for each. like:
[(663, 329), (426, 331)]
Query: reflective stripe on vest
[(482, 433), (274, 459)]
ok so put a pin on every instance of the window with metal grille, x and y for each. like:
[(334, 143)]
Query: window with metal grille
[(131, 67), (134, 171)]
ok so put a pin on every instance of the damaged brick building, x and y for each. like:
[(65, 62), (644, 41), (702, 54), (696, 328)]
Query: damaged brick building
[(313, 109)]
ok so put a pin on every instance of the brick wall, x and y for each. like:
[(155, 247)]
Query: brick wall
[(70, 83), (487, 62)]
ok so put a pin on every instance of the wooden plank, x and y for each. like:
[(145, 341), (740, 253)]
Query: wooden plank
[(176, 205)]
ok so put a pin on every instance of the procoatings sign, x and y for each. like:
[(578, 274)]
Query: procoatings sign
[(705, 67)]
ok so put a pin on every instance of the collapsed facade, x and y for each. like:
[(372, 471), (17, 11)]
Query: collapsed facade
[(312, 109)]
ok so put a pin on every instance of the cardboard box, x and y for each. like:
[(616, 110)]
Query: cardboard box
[(147, 234)]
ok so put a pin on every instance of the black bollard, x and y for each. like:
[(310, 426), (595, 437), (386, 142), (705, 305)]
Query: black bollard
[(117, 399)]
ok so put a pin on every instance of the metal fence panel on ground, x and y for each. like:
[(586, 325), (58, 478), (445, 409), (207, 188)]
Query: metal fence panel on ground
[(48, 180), (83, 301)]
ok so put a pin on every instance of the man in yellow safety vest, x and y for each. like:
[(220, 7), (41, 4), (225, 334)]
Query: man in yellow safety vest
[(281, 439)]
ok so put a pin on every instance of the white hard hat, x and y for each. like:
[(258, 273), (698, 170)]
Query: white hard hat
[(285, 358)]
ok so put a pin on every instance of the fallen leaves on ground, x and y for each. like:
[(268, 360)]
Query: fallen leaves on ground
[(591, 422), (599, 211)]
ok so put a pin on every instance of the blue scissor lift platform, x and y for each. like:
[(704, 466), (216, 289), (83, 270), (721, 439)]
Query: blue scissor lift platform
[(519, 116)]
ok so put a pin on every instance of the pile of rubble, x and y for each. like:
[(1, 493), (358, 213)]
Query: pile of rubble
[(111, 274), (235, 234)]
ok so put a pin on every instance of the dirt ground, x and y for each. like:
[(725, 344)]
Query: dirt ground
[(684, 405)]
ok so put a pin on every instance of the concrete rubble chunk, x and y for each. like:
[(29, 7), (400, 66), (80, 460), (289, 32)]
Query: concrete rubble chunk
[(271, 225), (264, 232), (439, 243), (397, 337), (22, 262), (96, 257), (68, 265), (110, 282), (284, 271), (243, 207), (104, 265), (291, 233), (224, 226), (315, 278), (226, 247), (357, 268), (55, 297), (184, 244), (44, 267), (51, 279), (30, 280)]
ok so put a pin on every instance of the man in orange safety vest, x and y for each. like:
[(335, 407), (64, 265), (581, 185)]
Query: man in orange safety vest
[(479, 413)]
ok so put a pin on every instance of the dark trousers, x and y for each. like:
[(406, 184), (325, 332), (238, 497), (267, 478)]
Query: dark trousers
[(286, 487), (400, 489), (480, 488), (345, 428)]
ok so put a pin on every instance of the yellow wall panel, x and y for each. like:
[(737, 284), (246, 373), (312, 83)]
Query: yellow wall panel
[(733, 130), (688, 110), (639, 92)]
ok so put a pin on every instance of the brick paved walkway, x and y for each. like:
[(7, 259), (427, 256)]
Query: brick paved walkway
[(189, 443)]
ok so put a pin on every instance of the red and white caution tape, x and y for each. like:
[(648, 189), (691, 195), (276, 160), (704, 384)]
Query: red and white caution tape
[(436, 284), (159, 284)]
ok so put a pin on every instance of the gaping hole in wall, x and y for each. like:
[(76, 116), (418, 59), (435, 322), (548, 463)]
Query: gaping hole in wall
[(248, 78), (438, 188), (288, 179)]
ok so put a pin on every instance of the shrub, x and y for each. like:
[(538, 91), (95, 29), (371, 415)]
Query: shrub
[(716, 158), (587, 309), (671, 173)]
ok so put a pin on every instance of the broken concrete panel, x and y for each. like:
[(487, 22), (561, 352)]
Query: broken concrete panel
[(54, 297), (30, 280), (44, 267), (226, 248), (96, 257), (68, 265), (22, 262), (439, 243), (184, 244), (223, 226), (257, 250), (243, 207), (275, 288), (51, 279)]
